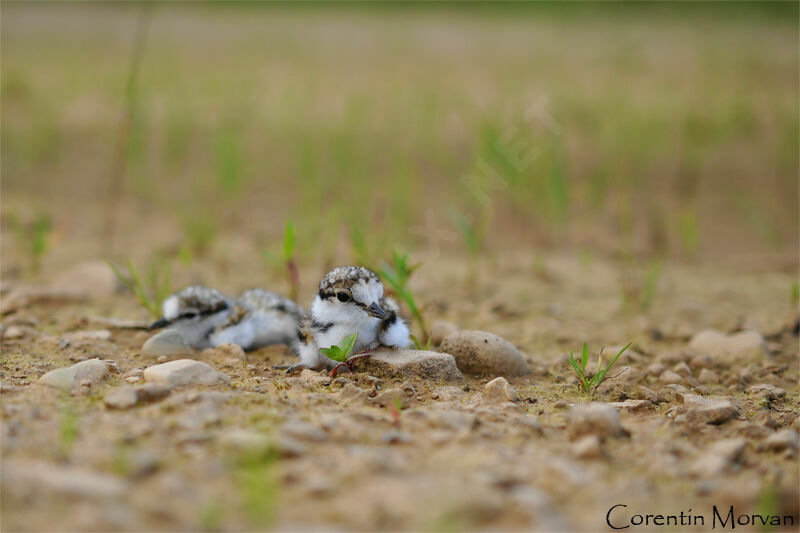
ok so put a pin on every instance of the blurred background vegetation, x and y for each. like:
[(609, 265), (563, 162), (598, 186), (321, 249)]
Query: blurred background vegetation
[(672, 131)]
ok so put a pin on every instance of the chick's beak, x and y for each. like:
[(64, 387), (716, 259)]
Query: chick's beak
[(376, 311), (158, 324)]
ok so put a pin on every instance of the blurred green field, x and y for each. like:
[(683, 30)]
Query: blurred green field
[(660, 132)]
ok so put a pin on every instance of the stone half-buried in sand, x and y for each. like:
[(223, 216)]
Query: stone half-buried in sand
[(386, 362), (185, 372), (485, 354), (91, 372), (742, 347), (168, 343)]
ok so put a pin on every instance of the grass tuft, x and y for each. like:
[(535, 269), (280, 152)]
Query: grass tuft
[(397, 275), (32, 236), (590, 383), (150, 291)]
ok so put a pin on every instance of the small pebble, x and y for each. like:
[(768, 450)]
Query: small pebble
[(499, 390)]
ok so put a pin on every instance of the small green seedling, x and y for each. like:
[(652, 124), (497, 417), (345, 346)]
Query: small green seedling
[(151, 292), (419, 345), (33, 237), (590, 384), (344, 353), (286, 258), (397, 276)]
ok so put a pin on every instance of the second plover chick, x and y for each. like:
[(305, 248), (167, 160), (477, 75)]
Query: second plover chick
[(350, 300), (259, 318), (205, 317)]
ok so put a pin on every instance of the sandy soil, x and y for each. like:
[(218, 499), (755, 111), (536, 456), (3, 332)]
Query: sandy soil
[(299, 453)]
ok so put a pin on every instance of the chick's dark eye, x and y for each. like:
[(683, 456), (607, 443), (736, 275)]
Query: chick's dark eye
[(190, 314), (343, 296)]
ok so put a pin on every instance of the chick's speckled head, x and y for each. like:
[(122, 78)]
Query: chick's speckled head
[(193, 302), (353, 287)]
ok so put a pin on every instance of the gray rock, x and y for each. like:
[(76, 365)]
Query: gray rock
[(167, 343), (482, 353), (633, 405), (92, 372), (39, 476), (449, 393), (499, 390), (782, 440), (87, 335), (184, 372), (121, 398), (151, 392), (738, 347), (410, 363), (708, 377), (394, 396), (672, 392), (669, 377), (701, 410), (747, 345), (769, 392), (708, 342), (682, 369), (14, 332), (594, 419), (718, 458), (645, 393)]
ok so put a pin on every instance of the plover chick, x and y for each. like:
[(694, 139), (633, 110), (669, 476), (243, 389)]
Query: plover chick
[(205, 317), (350, 300)]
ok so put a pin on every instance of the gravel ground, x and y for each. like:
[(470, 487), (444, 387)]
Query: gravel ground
[(702, 412)]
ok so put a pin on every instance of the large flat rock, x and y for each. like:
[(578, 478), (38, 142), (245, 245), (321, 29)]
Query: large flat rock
[(410, 363), (185, 372)]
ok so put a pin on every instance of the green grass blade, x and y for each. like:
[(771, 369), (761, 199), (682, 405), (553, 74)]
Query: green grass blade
[(579, 372), (415, 341), (584, 357), (618, 355)]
